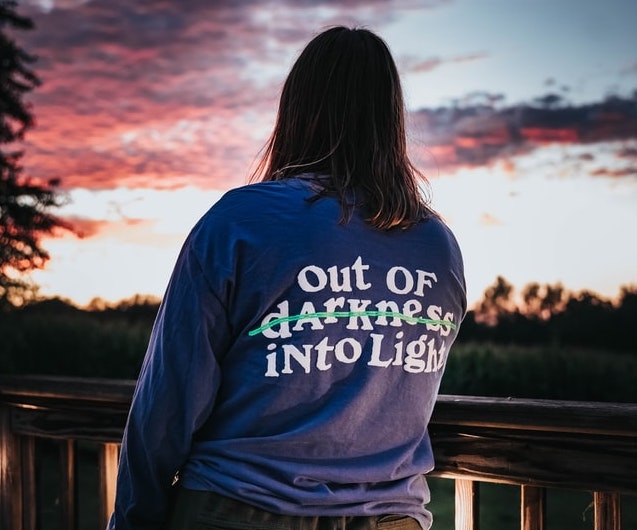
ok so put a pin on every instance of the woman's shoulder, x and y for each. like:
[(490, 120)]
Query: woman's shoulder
[(263, 191), (437, 232), (252, 203)]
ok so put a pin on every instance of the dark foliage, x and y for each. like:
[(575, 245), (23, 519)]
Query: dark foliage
[(25, 205), (54, 337), (554, 317), (574, 346)]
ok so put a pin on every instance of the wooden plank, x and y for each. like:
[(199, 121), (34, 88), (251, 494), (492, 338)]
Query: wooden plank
[(467, 505), (532, 508), (537, 414), (67, 407), (10, 475), (525, 414), (62, 387), (108, 456), (29, 483), (68, 485), (548, 459), (607, 510), (62, 423)]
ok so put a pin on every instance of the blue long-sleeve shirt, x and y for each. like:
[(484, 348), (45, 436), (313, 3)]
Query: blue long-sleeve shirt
[(294, 362)]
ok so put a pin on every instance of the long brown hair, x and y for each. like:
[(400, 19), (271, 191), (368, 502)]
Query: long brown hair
[(341, 114)]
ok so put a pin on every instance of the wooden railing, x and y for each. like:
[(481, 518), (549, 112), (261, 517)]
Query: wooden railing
[(533, 444)]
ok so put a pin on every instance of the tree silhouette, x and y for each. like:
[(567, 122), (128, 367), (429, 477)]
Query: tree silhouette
[(497, 302), (543, 301), (25, 204)]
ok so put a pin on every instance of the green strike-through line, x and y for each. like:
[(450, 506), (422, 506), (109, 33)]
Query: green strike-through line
[(350, 314)]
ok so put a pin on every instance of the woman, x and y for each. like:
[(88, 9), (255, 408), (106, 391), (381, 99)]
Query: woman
[(297, 354)]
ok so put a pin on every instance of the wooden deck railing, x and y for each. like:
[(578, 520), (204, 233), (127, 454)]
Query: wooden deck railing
[(534, 444)]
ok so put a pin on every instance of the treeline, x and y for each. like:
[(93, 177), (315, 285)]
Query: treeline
[(550, 315), (544, 342)]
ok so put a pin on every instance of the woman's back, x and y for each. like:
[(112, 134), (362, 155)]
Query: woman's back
[(341, 336)]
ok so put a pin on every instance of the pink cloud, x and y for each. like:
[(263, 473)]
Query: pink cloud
[(185, 93)]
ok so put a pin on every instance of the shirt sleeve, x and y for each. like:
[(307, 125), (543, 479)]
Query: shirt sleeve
[(175, 394)]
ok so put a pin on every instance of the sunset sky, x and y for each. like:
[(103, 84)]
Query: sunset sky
[(522, 113)]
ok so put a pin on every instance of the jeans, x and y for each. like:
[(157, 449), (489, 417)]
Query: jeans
[(202, 510)]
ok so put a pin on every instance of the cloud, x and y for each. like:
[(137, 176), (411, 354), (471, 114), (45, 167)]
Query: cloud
[(185, 93), (133, 231), (628, 152), (615, 173), (84, 227), (416, 65), (487, 219), (481, 134)]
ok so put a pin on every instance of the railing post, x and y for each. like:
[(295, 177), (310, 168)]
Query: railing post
[(607, 510), (68, 485), (108, 455), (30, 498), (10, 475), (467, 505), (532, 508)]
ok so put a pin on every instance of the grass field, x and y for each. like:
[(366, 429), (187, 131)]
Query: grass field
[(541, 372)]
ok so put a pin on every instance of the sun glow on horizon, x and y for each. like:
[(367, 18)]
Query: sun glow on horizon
[(139, 234)]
